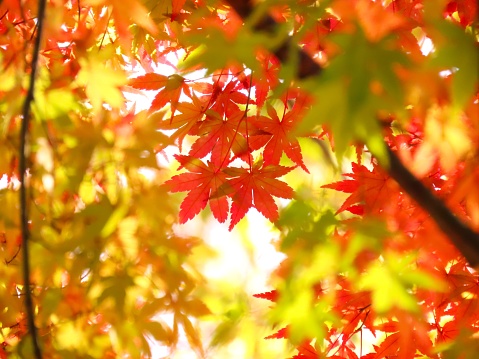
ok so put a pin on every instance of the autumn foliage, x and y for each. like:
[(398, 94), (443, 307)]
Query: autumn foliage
[(344, 123)]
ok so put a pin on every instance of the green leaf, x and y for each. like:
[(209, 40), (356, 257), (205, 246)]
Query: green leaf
[(344, 99), (387, 289), (55, 104), (457, 51), (214, 49), (392, 282)]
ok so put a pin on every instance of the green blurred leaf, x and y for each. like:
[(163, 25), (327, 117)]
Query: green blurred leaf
[(391, 282), (344, 96), (457, 51)]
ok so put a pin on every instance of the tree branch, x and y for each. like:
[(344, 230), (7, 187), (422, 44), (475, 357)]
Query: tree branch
[(462, 236), (23, 190)]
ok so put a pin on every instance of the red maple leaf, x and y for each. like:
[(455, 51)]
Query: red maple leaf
[(272, 295), (258, 185), (170, 89), (177, 6), (369, 189), (226, 99), (277, 135), (219, 137), (306, 351), (280, 334), (268, 79), (201, 181), (389, 347)]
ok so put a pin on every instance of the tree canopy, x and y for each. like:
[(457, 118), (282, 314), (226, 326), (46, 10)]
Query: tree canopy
[(351, 126)]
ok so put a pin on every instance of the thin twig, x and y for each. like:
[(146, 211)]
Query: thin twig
[(8, 261), (462, 236), (23, 191)]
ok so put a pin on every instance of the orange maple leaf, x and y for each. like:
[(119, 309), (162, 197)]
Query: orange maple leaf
[(191, 113), (170, 89), (268, 78), (376, 21)]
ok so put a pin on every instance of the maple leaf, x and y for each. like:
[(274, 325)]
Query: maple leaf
[(170, 89), (258, 185), (124, 12), (388, 347), (354, 322), (280, 334), (466, 11), (410, 8), (177, 5), (272, 295), (202, 181), (369, 189), (226, 99), (219, 137), (376, 21), (268, 78), (306, 351), (278, 136), (191, 113), (461, 280)]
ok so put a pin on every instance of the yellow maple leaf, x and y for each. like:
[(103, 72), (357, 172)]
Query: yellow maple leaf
[(101, 83), (126, 12)]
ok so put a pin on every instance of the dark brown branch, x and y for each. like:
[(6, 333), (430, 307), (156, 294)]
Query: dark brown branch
[(23, 190), (307, 66), (462, 236)]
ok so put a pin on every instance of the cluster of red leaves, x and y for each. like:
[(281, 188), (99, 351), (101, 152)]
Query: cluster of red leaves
[(443, 315), (218, 114), (355, 312), (400, 334)]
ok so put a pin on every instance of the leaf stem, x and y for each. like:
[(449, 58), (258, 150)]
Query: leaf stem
[(22, 174)]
